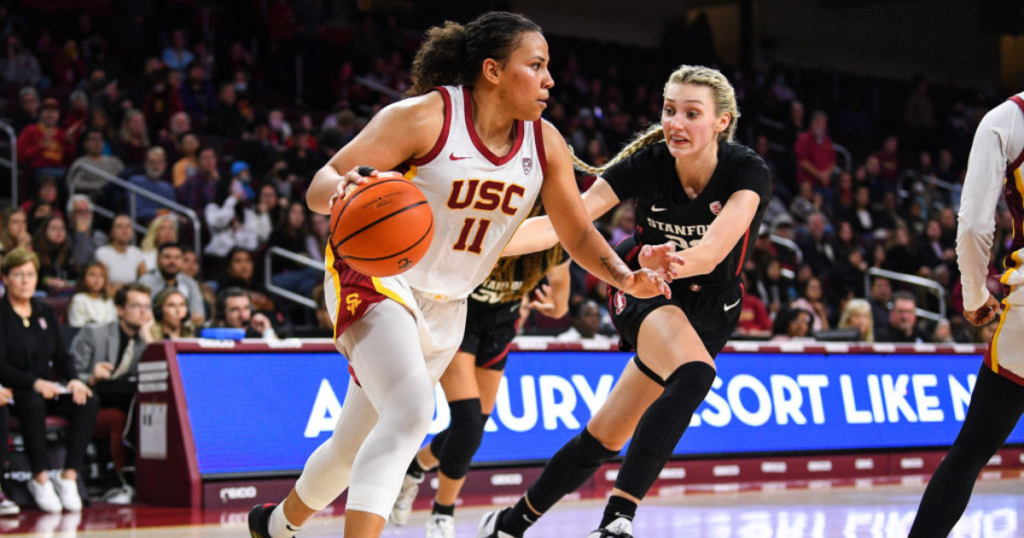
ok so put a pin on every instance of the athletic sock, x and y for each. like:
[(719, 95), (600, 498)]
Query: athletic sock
[(443, 509), (518, 519), (416, 470), (279, 526), (618, 507)]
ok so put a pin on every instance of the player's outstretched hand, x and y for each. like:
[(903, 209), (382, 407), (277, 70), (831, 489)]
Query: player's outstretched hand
[(985, 314), (645, 283), (662, 259)]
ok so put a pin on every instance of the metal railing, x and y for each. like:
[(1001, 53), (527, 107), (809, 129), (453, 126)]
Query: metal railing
[(13, 162), (914, 281), (133, 191), (910, 175), (396, 95), (287, 294), (845, 153)]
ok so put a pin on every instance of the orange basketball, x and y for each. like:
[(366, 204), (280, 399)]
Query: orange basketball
[(383, 227)]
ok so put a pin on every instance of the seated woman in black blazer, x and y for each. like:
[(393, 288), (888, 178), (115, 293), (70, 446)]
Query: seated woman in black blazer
[(30, 341)]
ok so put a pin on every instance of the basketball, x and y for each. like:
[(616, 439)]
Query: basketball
[(383, 227)]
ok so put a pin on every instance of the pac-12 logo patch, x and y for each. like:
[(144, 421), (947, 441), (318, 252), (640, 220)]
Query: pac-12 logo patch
[(620, 301), (716, 207), (527, 165)]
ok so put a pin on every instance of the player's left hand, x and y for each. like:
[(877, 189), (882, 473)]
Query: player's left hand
[(662, 259), (544, 303), (644, 284), (985, 314)]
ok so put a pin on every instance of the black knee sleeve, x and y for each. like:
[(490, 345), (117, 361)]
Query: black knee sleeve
[(464, 436), (568, 469), (662, 425)]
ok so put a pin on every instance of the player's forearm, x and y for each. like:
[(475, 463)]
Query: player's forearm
[(534, 235), (699, 260), (972, 250), (322, 188), (591, 251)]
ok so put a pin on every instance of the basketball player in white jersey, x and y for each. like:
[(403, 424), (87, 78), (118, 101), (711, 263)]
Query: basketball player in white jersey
[(997, 402), (471, 139)]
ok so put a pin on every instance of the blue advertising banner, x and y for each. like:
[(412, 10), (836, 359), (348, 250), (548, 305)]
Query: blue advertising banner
[(266, 412)]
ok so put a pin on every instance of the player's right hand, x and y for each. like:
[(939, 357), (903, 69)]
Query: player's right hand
[(350, 181), (644, 284), (985, 314)]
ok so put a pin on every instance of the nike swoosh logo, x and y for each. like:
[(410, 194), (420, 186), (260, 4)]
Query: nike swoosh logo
[(454, 158), (656, 209), (290, 528), (731, 306)]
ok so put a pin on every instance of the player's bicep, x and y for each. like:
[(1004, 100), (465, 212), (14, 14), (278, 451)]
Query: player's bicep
[(732, 223)]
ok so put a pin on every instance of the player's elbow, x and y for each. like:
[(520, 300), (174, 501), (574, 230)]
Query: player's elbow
[(560, 310)]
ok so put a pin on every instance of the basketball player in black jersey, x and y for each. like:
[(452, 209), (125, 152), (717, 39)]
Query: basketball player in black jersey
[(471, 381), (693, 186)]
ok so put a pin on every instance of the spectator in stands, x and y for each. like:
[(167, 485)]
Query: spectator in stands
[(168, 275), (812, 300), (179, 125), (77, 119), (802, 206), (120, 255), (201, 189), (46, 193), (160, 104), (292, 234), (134, 138), (324, 325), (241, 178), (881, 293), (272, 203), (899, 256), (818, 247), (857, 315), (943, 333), (232, 223), (280, 130), (586, 322), (754, 318), (28, 109), (889, 160), (58, 268), (18, 65), (226, 119), (85, 182), (100, 120), (774, 289), (170, 309), (623, 223), (919, 114), (862, 216), (162, 229), (235, 310), (815, 158), (792, 324), (197, 93), (153, 180), (188, 165), (930, 249), (177, 56), (241, 273), (902, 326), (43, 147), (302, 159), (107, 360), (85, 239), (91, 304), (32, 349), (15, 231), (319, 231)]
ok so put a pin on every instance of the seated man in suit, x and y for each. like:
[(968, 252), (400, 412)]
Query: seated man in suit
[(107, 359)]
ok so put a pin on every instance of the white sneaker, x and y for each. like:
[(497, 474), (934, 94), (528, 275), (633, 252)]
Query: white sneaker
[(489, 526), (122, 495), (7, 507), (620, 528), (440, 526), (67, 490), (45, 496), (403, 504)]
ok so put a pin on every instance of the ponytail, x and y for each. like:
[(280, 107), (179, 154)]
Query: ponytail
[(452, 54), (648, 138)]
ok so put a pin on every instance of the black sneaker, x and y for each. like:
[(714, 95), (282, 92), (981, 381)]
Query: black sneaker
[(488, 527), (259, 518), (620, 528)]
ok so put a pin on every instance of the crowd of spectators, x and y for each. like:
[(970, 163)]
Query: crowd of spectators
[(217, 119)]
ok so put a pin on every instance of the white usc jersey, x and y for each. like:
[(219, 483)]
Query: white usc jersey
[(478, 199)]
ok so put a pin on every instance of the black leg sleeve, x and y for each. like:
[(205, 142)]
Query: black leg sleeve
[(30, 408), (996, 406)]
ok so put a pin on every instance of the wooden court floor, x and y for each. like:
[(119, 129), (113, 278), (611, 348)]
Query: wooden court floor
[(883, 511)]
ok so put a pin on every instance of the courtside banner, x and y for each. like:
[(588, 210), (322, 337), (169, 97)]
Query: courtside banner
[(267, 412)]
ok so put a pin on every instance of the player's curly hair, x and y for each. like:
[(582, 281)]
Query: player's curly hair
[(725, 103), (535, 265), (452, 53)]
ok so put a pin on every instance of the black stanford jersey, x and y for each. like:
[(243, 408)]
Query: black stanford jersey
[(493, 298), (665, 213)]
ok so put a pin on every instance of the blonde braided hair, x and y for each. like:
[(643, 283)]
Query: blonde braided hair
[(725, 103)]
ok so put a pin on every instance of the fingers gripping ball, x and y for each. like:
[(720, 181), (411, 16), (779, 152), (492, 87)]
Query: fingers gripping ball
[(382, 228)]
